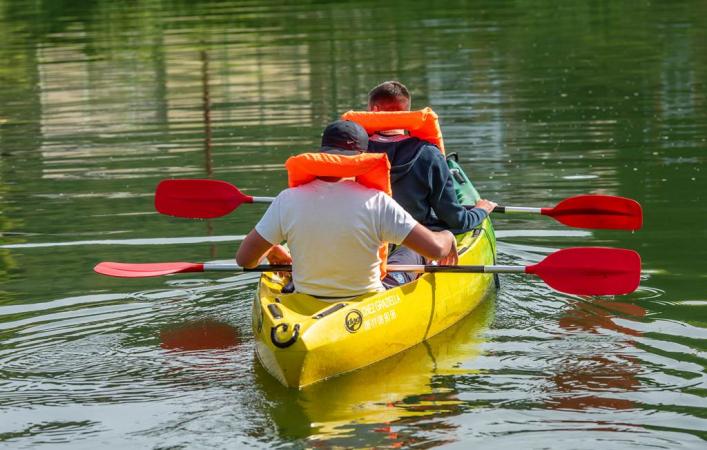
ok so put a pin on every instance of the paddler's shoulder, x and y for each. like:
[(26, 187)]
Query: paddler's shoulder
[(430, 153)]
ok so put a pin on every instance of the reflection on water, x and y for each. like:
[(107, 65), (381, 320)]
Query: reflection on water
[(199, 335), (101, 100), (590, 381)]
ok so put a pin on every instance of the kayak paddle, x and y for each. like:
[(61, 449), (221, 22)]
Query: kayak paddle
[(200, 199), (207, 199), (589, 211), (580, 271)]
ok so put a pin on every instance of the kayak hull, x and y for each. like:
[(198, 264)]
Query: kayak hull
[(301, 340)]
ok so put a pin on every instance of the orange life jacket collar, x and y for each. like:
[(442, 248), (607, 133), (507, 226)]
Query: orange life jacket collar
[(422, 124), (369, 169)]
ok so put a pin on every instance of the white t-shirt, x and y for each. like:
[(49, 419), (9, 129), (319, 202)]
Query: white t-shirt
[(334, 230)]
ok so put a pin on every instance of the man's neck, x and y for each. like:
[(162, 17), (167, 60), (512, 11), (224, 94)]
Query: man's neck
[(336, 179), (391, 132)]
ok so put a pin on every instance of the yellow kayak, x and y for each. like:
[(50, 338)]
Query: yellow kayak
[(372, 395), (301, 340)]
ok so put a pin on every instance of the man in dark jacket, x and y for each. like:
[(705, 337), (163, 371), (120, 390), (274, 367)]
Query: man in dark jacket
[(420, 178)]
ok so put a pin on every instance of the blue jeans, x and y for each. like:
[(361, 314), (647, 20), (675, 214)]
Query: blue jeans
[(402, 255)]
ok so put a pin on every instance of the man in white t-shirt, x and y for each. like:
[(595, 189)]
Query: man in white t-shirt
[(334, 228)]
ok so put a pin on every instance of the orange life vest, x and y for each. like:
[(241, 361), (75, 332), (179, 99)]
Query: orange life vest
[(422, 124), (368, 169)]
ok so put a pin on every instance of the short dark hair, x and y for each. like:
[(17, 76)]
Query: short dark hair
[(390, 96)]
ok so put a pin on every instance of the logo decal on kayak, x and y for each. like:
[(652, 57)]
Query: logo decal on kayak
[(353, 320)]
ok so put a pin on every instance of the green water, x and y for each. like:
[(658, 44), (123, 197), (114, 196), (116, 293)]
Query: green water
[(101, 100)]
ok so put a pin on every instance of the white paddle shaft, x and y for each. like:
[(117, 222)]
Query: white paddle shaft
[(417, 268)]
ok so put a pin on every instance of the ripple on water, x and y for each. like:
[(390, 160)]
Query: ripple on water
[(580, 357), (101, 101), (98, 350)]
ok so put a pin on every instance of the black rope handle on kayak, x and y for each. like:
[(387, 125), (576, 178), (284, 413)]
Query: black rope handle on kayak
[(287, 343)]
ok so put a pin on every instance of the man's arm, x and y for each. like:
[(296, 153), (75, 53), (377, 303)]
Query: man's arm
[(436, 245), (252, 250), (262, 239), (443, 198), (399, 227)]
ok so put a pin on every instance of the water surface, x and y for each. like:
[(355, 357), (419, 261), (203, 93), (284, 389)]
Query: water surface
[(101, 101)]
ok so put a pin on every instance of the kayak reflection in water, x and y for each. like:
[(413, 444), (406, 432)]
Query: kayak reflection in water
[(337, 218)]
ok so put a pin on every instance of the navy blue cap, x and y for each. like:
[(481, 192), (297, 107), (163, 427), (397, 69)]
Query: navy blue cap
[(344, 137)]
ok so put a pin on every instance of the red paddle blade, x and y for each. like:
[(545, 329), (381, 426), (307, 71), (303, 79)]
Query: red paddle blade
[(198, 199), (590, 270), (123, 270), (598, 212)]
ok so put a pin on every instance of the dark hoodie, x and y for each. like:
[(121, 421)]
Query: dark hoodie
[(422, 184)]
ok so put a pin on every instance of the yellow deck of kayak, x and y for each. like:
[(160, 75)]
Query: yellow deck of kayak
[(301, 340)]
